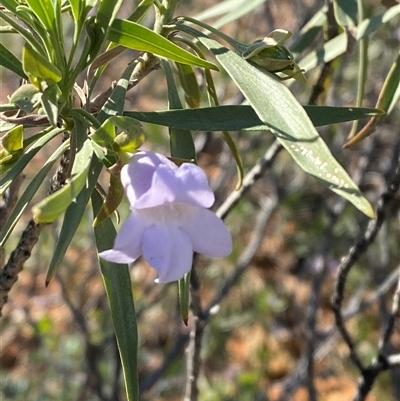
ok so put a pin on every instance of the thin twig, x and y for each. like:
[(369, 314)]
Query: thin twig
[(267, 207), (14, 265), (10, 198), (250, 179), (22, 252), (368, 374)]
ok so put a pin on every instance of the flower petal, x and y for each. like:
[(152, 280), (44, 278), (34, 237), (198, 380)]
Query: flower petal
[(115, 256), (169, 250), (128, 243), (164, 189), (208, 234), (136, 176), (194, 186), (188, 184)]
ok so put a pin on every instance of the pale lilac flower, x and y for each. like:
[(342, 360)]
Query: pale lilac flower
[(169, 219)]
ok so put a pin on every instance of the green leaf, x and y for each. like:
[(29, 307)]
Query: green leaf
[(182, 146), (190, 86), (279, 110), (141, 10), (118, 286), (114, 197), (73, 218), (50, 103), (49, 29), (388, 97), (50, 208), (9, 61), (104, 17), (23, 161), (233, 10), (346, 12), (331, 49), (371, 25), (76, 8), (138, 37), (181, 141), (13, 141), (309, 31), (184, 297), (44, 9), (391, 88), (10, 5), (18, 27), (238, 118), (37, 67), (131, 137), (26, 97), (28, 193), (114, 105), (105, 134)]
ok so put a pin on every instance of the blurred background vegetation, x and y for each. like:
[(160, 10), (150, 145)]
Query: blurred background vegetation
[(57, 343)]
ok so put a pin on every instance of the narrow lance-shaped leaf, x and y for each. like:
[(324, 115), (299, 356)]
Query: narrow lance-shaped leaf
[(44, 9), (37, 67), (331, 49), (114, 197), (49, 102), (181, 141), (388, 97), (345, 12), (117, 282), (50, 208), (9, 61), (182, 146), (138, 37), (73, 218), (279, 110), (371, 25), (104, 17), (230, 9), (242, 117), (28, 194)]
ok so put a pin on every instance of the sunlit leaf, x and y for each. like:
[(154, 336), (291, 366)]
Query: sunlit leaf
[(370, 25), (38, 67), (331, 49), (23, 161), (14, 139), (50, 208), (138, 37), (73, 218), (346, 12), (231, 10), (44, 9), (28, 193), (104, 17), (279, 110)]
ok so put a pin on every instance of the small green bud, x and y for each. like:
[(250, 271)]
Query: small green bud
[(271, 54)]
